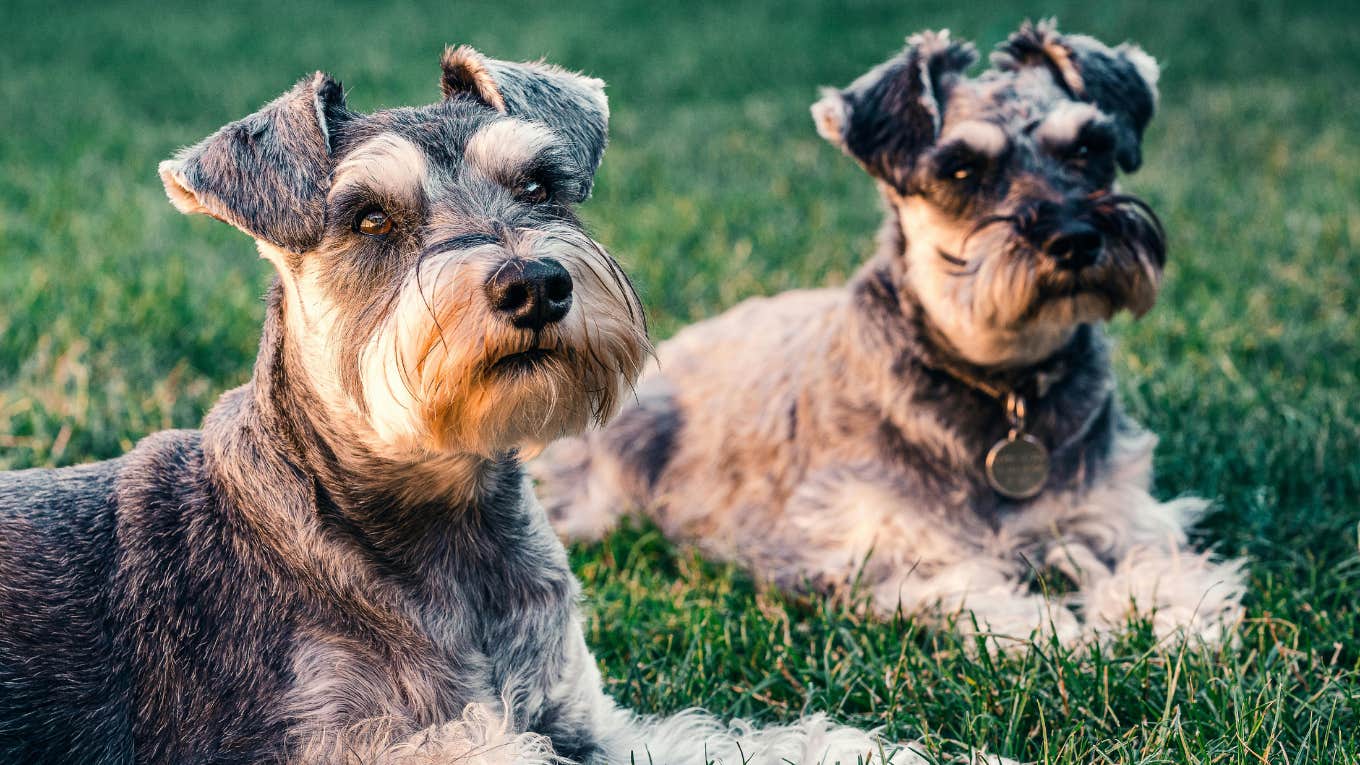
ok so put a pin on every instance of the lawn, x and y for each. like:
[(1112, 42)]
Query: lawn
[(119, 317)]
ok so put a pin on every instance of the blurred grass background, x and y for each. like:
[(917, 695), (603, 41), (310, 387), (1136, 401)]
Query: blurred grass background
[(119, 317)]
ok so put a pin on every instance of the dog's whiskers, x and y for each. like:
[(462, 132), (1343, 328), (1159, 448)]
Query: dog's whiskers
[(970, 266)]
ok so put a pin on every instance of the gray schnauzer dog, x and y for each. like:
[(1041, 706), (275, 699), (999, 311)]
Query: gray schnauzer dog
[(943, 430), (347, 563)]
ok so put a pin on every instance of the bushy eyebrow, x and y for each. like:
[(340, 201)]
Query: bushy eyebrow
[(508, 150), (387, 164), (1065, 124), (979, 136)]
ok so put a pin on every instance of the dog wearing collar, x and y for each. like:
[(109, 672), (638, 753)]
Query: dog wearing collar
[(944, 430), (347, 563)]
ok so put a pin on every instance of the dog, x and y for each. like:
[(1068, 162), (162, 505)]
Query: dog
[(944, 430), (347, 563)]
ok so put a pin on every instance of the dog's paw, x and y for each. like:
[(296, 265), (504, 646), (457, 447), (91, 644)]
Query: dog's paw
[(1010, 623), (1179, 592)]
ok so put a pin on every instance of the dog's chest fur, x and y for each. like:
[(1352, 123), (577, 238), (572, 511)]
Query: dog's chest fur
[(936, 426), (484, 620)]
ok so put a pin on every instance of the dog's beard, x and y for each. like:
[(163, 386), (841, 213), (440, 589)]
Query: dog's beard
[(445, 373), (994, 294)]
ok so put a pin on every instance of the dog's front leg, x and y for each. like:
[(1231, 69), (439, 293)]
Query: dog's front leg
[(979, 597), (1129, 554), (912, 556), (481, 735), (1177, 590)]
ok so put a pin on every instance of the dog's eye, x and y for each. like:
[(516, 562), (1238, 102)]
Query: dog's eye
[(960, 169), (958, 164), (1093, 143), (1082, 151), (531, 192), (373, 222)]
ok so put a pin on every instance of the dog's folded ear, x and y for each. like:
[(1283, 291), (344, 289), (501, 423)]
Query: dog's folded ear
[(267, 173), (572, 105), (1120, 81), (888, 116)]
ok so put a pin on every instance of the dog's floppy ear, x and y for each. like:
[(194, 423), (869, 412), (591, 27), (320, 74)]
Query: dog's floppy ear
[(889, 115), (572, 105), (1120, 81), (266, 174)]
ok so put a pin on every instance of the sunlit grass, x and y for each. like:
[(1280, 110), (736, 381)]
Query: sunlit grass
[(118, 317)]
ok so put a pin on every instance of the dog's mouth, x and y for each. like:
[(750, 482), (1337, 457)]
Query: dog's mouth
[(1074, 290), (1091, 300), (523, 361)]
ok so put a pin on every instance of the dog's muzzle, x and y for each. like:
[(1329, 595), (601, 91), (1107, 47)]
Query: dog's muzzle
[(1063, 232), (1076, 234)]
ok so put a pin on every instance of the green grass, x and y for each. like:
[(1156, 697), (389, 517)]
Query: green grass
[(119, 317)]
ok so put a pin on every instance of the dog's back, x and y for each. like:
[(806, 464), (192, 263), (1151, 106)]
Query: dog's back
[(63, 689), (688, 419), (128, 621)]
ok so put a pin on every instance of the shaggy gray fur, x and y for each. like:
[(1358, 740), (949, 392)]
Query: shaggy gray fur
[(241, 593), (840, 434), (347, 563)]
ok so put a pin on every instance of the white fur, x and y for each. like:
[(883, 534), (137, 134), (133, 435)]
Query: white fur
[(503, 147), (481, 736), (696, 738), (389, 161), (982, 136), (693, 737), (184, 199), (320, 109), (1064, 123), (310, 316)]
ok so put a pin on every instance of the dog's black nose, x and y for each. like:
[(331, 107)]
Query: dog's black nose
[(531, 293), (1076, 246)]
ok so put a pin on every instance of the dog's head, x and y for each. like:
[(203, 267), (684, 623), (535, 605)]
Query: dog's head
[(441, 291), (1004, 185)]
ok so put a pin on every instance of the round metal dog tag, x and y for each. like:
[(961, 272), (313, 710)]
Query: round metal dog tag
[(1017, 466)]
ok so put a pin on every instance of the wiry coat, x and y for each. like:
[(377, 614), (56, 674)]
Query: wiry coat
[(839, 435), (347, 563), (212, 594), (748, 440)]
